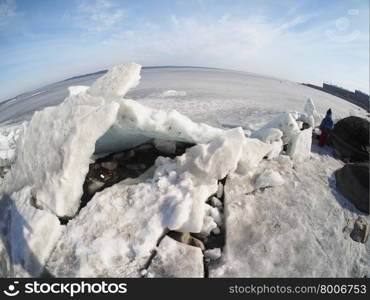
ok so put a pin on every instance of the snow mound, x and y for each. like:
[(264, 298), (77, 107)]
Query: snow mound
[(54, 162), (115, 233)]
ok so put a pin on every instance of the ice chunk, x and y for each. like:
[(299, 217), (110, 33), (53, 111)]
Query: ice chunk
[(209, 224), (269, 178), (216, 202), (30, 234), (168, 147), (137, 123), (276, 148), (214, 213), (311, 116), (298, 141), (174, 259), (205, 164), (286, 123), (54, 152), (213, 254), (128, 220), (268, 135), (75, 90), (216, 230), (300, 147), (173, 93), (8, 138), (220, 190), (254, 151), (117, 81), (6, 153)]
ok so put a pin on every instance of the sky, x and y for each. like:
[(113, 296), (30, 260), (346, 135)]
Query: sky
[(315, 41)]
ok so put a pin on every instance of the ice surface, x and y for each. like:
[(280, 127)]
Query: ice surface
[(174, 259), (292, 230)]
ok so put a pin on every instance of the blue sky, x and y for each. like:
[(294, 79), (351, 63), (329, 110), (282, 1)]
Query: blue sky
[(43, 41)]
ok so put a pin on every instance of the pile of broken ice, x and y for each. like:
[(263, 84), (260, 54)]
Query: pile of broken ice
[(116, 233)]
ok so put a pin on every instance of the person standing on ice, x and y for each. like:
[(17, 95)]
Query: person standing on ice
[(326, 126)]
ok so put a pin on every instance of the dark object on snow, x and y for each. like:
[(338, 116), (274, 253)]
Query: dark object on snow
[(353, 182), (360, 231), (351, 138)]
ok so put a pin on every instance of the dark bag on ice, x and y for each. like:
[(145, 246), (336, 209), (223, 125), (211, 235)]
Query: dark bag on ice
[(353, 182), (350, 138)]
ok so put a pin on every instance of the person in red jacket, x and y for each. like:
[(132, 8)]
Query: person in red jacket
[(326, 126)]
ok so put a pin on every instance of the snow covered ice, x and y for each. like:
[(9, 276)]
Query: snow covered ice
[(269, 179), (177, 260), (279, 220)]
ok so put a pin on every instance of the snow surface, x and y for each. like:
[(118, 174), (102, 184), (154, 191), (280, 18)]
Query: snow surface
[(269, 178), (176, 260)]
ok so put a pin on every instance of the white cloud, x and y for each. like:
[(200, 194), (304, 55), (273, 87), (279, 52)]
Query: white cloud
[(254, 44), (7, 11), (98, 16)]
